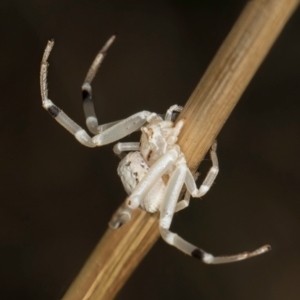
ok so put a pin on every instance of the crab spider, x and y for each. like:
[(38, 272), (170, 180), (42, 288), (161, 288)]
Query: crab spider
[(142, 170), (142, 175)]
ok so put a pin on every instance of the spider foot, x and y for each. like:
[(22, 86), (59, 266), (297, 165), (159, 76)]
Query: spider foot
[(210, 259), (120, 217)]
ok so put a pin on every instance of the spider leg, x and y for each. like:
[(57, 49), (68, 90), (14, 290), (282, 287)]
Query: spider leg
[(87, 95), (53, 110), (121, 129), (113, 131), (120, 217), (209, 179), (119, 148), (173, 109), (184, 203), (166, 215)]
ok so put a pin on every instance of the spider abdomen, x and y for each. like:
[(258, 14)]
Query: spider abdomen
[(131, 170)]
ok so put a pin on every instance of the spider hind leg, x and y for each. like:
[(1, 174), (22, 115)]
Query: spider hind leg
[(168, 207)]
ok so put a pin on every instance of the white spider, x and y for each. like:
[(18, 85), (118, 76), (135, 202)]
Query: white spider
[(143, 170)]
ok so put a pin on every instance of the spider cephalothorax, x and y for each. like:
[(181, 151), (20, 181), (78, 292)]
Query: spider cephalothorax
[(159, 135), (142, 170)]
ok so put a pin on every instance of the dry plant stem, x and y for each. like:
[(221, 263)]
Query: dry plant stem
[(114, 259), (120, 251), (229, 74)]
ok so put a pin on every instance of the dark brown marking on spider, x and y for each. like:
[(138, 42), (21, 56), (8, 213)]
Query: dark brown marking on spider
[(197, 253), (136, 177), (149, 155), (150, 132), (87, 99), (144, 166), (53, 111), (86, 95)]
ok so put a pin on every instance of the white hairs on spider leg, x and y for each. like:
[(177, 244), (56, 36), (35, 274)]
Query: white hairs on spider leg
[(142, 169)]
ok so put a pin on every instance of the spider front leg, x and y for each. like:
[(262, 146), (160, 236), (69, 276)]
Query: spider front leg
[(87, 95), (157, 170), (166, 216), (109, 132)]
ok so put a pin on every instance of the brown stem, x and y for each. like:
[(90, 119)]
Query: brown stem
[(120, 251)]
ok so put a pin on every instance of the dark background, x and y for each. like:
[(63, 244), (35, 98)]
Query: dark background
[(57, 196)]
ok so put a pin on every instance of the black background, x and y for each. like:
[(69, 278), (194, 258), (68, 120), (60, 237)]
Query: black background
[(57, 196)]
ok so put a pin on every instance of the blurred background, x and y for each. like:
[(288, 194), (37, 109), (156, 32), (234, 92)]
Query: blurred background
[(58, 196)]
